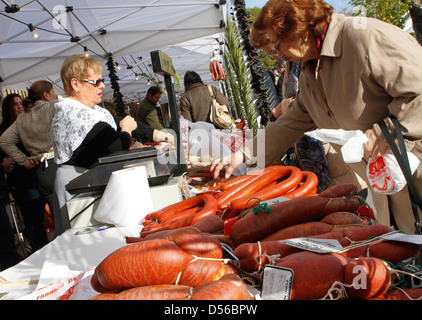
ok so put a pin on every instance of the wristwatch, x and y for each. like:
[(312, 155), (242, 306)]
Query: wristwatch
[(167, 137)]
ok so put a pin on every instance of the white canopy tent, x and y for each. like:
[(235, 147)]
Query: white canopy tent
[(188, 31)]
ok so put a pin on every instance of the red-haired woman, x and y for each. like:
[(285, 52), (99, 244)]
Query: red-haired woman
[(356, 72)]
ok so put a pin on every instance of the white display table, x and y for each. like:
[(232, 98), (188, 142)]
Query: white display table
[(80, 252)]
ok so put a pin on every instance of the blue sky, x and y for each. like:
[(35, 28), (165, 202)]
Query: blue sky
[(338, 5)]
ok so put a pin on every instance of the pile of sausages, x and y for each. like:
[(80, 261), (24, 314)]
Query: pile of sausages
[(216, 239)]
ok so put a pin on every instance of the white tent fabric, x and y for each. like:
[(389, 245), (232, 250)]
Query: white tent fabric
[(188, 31)]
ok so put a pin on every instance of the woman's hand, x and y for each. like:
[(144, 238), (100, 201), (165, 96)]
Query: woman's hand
[(231, 161), (375, 147), (162, 136), (128, 124), (280, 109)]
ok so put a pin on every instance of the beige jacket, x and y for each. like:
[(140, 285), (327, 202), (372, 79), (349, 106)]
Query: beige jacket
[(363, 75), (195, 105), (33, 129), (367, 70)]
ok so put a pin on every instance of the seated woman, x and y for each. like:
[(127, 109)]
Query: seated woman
[(82, 131)]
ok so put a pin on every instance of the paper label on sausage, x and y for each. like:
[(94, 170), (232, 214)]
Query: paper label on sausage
[(403, 237), (270, 202), (315, 245), (277, 283)]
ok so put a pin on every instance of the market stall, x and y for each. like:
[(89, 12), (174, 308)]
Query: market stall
[(263, 234), (241, 239)]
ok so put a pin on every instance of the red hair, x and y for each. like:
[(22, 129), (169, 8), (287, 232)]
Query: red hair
[(292, 19)]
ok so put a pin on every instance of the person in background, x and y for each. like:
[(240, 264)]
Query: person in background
[(147, 111), (8, 254), (356, 72), (12, 106), (82, 131), (195, 105), (33, 130), (280, 68), (23, 182), (27, 104)]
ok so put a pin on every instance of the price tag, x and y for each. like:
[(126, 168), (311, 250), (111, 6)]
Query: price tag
[(315, 245), (399, 236), (275, 200), (276, 283)]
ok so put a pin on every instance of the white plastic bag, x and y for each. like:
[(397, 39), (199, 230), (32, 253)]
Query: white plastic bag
[(385, 175), (203, 139), (352, 141), (74, 288)]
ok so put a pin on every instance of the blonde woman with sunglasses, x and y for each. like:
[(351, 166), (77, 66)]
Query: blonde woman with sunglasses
[(83, 131)]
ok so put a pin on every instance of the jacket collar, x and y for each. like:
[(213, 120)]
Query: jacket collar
[(333, 38), (194, 85)]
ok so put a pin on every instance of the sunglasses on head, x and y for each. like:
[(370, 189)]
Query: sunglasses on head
[(95, 82)]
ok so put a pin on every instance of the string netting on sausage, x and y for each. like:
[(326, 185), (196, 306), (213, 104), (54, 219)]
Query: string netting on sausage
[(369, 242), (339, 198), (338, 289), (195, 258), (400, 270)]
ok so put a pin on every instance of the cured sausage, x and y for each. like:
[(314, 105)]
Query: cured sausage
[(309, 182), (256, 225), (366, 278), (391, 251), (254, 255), (206, 200), (361, 234), (241, 179), (181, 222), (216, 69), (314, 273), (179, 215), (300, 230), (289, 179), (236, 191), (228, 287), (228, 184), (155, 292), (360, 244), (255, 184), (162, 262), (165, 234), (342, 218), (210, 224)]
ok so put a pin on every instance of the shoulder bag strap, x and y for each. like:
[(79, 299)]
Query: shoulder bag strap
[(403, 161), (211, 93)]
